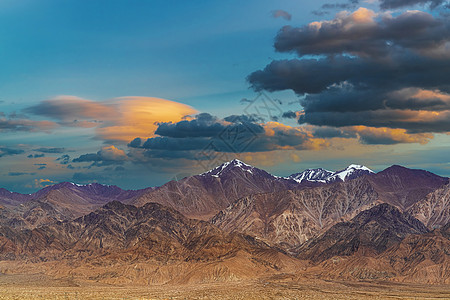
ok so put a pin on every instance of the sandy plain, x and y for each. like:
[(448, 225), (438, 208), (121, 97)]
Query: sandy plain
[(43, 287)]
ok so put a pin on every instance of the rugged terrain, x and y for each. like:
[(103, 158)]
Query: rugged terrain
[(234, 224)]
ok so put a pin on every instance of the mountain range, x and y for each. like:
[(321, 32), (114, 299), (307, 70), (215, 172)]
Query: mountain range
[(235, 222)]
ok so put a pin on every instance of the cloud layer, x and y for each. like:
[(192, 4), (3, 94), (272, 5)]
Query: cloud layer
[(118, 119), (368, 69)]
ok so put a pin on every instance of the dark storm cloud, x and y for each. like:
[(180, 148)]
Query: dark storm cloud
[(136, 143), (203, 125), (391, 4), (316, 75), (410, 120), (364, 34), (5, 151), (281, 14), (108, 155), (239, 133), (50, 150), (367, 69), (289, 115), (88, 157)]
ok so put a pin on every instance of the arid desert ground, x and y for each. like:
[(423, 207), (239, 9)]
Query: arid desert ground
[(41, 287)]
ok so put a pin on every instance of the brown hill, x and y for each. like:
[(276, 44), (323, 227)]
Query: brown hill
[(108, 243)]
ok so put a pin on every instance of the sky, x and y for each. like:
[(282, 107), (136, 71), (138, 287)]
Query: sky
[(137, 93)]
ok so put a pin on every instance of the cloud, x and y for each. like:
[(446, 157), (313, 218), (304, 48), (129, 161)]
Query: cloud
[(232, 134), (115, 120), (50, 150), (367, 69), (388, 136), (20, 173), (204, 125), (7, 124), (108, 155), (281, 14), (392, 4), (289, 115), (36, 155), (64, 159), (41, 183), (413, 121), (366, 34), (5, 151), (70, 108)]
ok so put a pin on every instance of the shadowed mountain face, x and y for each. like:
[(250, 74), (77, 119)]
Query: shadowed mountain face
[(404, 187), (371, 232)]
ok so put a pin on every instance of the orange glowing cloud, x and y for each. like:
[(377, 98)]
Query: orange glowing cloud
[(120, 119), (139, 117), (293, 138), (383, 135)]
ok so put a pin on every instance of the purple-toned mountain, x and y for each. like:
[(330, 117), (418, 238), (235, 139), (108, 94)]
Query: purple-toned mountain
[(403, 187), (62, 201), (202, 196)]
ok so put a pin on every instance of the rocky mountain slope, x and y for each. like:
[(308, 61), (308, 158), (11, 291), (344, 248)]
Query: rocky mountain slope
[(156, 237), (202, 196), (289, 218), (352, 224), (434, 209), (63, 201), (370, 233), (381, 244)]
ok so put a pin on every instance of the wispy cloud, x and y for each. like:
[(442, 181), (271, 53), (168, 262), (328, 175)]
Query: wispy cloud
[(281, 14)]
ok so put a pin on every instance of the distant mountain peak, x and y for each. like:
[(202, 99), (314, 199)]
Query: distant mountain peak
[(232, 164), (325, 176)]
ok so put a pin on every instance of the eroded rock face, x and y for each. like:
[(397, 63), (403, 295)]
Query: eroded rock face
[(290, 218), (371, 232), (434, 209)]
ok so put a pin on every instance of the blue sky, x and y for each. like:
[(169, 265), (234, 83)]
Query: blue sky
[(71, 71)]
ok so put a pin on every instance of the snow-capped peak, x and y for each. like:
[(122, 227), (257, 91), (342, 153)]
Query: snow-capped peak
[(316, 175), (324, 176), (351, 172), (235, 163)]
